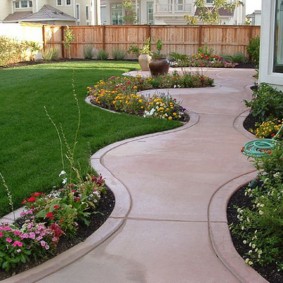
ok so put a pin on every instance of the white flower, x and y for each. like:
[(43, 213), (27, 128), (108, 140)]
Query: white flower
[(64, 181), (276, 175), (62, 173)]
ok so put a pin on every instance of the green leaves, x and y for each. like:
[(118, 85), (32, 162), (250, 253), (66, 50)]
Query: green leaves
[(266, 104)]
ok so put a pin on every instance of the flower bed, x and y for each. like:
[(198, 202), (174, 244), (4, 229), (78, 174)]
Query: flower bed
[(257, 227), (121, 94), (47, 218)]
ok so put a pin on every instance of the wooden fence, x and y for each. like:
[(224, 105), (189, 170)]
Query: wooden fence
[(182, 39)]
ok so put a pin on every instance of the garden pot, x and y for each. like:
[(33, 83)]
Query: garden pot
[(159, 67), (144, 60)]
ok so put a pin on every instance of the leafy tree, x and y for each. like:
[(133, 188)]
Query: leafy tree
[(210, 14), (130, 14)]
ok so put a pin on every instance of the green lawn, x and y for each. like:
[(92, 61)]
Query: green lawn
[(29, 148)]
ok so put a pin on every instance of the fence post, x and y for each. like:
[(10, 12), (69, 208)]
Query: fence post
[(199, 36), (62, 42), (43, 37), (103, 36), (148, 31)]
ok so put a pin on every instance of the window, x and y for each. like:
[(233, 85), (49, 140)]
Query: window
[(179, 5), (209, 1), (23, 4), (78, 12), (278, 46), (68, 2), (59, 2), (86, 13), (149, 13), (116, 14)]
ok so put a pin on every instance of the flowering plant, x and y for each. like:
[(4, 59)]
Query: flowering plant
[(260, 225), (267, 129), (47, 217), (121, 94)]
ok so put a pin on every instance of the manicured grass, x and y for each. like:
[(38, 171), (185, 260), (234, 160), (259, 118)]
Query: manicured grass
[(30, 150)]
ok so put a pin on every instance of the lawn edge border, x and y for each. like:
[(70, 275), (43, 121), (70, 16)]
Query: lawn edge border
[(116, 219)]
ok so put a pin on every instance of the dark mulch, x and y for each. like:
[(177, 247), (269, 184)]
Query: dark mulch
[(239, 199), (245, 66), (105, 208)]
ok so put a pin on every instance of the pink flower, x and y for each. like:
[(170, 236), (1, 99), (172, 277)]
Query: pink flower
[(17, 244), (9, 240), (32, 235), (17, 233), (1, 234)]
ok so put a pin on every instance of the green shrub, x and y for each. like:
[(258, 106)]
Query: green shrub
[(50, 54), (118, 54), (10, 51), (266, 104), (260, 226), (239, 58), (88, 52), (253, 50), (13, 51), (102, 54)]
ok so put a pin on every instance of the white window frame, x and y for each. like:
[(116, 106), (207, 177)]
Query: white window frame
[(68, 4), (29, 4), (87, 13), (78, 12), (266, 73), (179, 5), (57, 3)]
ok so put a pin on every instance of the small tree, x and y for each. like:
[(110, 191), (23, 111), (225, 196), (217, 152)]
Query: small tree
[(210, 14), (69, 37), (130, 14)]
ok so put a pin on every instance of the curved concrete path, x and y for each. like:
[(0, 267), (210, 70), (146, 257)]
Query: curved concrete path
[(169, 223)]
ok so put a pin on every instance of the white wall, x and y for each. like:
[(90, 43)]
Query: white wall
[(266, 73)]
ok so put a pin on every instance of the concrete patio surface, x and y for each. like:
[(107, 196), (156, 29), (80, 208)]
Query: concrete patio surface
[(169, 223)]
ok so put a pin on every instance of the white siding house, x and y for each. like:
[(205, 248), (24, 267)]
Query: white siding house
[(271, 50), (95, 12)]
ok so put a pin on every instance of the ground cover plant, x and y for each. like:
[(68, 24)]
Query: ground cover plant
[(258, 227), (266, 108), (255, 212), (205, 57), (122, 94), (30, 150)]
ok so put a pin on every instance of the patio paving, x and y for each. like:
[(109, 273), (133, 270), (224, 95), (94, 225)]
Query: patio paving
[(169, 223)]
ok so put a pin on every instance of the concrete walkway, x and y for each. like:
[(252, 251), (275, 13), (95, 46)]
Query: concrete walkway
[(169, 224)]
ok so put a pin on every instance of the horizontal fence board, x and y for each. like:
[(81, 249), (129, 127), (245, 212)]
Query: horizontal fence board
[(181, 39)]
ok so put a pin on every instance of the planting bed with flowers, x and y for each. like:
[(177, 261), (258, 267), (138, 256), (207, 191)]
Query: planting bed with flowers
[(51, 223), (205, 57), (121, 94), (255, 212)]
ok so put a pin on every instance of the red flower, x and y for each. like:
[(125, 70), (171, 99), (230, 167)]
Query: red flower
[(58, 232), (56, 206), (49, 215), (31, 199), (36, 194)]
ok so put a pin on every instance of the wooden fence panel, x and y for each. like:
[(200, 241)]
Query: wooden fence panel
[(182, 39)]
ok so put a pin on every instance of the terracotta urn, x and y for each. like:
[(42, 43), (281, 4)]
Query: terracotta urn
[(159, 67), (144, 60)]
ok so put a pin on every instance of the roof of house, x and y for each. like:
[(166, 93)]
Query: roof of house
[(222, 12), (17, 16), (46, 13)]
